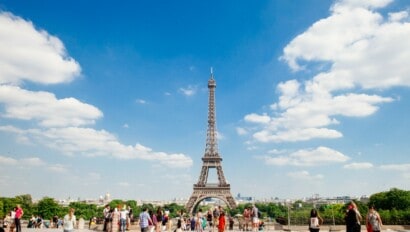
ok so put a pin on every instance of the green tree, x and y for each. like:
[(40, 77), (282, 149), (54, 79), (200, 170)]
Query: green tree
[(47, 208), (84, 210), (392, 199)]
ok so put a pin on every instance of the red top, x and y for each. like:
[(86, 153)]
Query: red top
[(221, 225), (19, 213)]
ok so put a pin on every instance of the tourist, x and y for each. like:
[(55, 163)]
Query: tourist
[(373, 220), (247, 218), (221, 222), (315, 221), (209, 218), (215, 215), (159, 217), (123, 218), (106, 213), (192, 223), (168, 224), (255, 218), (352, 218), (69, 221), (17, 218), (114, 220), (198, 221), (13, 219), (130, 217), (152, 226), (144, 220)]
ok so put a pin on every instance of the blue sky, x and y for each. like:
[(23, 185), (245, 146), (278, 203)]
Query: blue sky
[(103, 97)]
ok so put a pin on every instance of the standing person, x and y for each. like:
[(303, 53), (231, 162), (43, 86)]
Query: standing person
[(152, 226), (209, 219), (315, 221), (106, 213), (159, 217), (144, 220), (12, 219), (114, 220), (373, 220), (221, 222), (215, 214), (247, 218), (352, 218), (255, 218), (130, 217), (123, 218), (17, 219), (69, 221)]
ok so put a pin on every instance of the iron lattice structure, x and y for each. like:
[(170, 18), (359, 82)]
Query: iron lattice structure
[(211, 159)]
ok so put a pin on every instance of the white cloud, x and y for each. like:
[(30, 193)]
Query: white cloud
[(277, 152), (358, 166), (31, 162), (304, 175), (241, 131), (91, 142), (46, 108), (312, 157), (29, 54), (141, 101), (188, 91), (4, 160), (360, 50), (255, 118)]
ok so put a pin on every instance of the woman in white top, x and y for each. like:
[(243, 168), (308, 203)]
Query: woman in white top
[(69, 221), (314, 221)]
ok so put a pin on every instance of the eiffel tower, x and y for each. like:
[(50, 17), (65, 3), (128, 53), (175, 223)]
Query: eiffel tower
[(211, 159)]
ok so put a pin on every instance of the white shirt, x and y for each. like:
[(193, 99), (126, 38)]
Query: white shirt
[(69, 224)]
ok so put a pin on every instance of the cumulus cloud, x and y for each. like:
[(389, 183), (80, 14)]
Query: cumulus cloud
[(29, 54), (91, 142), (359, 51), (308, 157), (45, 108)]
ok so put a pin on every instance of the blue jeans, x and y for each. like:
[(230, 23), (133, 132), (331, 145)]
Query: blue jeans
[(123, 223)]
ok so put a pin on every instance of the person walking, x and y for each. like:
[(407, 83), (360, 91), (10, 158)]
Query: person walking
[(373, 220), (315, 221), (144, 220), (18, 216), (69, 221)]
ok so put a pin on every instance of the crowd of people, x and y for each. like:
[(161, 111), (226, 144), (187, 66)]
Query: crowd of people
[(353, 219), (118, 219)]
